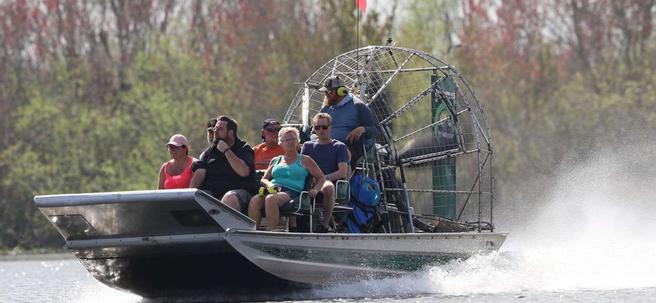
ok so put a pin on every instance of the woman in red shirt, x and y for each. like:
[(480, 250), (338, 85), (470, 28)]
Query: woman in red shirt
[(176, 173)]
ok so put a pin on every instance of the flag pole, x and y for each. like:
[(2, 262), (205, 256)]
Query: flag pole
[(360, 5), (357, 41)]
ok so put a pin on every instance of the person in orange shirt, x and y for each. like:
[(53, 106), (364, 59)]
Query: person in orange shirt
[(268, 149)]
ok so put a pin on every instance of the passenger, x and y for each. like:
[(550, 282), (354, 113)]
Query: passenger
[(332, 157), (269, 148), (211, 123), (284, 179), (227, 168), (353, 123), (176, 173)]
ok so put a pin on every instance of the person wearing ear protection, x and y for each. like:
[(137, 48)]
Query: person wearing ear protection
[(353, 123)]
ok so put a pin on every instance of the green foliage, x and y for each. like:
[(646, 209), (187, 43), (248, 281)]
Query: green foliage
[(70, 145), (426, 27)]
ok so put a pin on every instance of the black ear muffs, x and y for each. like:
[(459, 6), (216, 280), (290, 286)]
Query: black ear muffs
[(342, 91)]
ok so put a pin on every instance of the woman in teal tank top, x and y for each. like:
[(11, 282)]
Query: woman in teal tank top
[(289, 176), (284, 180)]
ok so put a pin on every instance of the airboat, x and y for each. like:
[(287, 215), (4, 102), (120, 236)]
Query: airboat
[(432, 159)]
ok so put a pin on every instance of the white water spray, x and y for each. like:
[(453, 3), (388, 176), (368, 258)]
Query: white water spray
[(594, 231)]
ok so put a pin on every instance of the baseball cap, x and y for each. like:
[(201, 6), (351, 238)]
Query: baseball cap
[(177, 140), (270, 121), (331, 83), (211, 123)]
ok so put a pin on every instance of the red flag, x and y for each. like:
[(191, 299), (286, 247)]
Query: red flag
[(362, 5)]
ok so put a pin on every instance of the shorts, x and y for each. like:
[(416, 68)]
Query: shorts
[(291, 193), (242, 195)]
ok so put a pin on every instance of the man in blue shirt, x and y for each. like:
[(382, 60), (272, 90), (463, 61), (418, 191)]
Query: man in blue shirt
[(353, 123), (332, 157)]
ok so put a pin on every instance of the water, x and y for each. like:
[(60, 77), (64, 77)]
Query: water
[(497, 278), (589, 240), (54, 281)]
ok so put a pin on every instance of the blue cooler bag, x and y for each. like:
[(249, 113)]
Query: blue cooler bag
[(365, 193), (365, 190)]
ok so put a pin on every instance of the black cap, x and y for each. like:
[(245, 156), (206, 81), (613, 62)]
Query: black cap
[(211, 122), (270, 121)]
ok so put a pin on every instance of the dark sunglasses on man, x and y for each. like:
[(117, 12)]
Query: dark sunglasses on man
[(324, 127)]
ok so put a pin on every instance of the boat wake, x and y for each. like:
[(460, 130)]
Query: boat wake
[(593, 231)]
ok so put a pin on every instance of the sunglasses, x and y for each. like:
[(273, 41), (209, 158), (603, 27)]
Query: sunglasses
[(171, 146), (273, 129), (324, 127), (288, 139)]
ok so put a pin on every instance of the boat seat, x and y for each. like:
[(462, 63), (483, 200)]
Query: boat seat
[(303, 205), (342, 192)]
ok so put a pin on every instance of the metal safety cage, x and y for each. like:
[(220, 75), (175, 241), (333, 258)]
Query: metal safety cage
[(434, 136)]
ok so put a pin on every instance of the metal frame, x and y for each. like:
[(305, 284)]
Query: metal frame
[(373, 72)]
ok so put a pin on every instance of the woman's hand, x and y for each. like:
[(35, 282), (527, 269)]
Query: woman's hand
[(272, 189), (267, 190), (315, 171)]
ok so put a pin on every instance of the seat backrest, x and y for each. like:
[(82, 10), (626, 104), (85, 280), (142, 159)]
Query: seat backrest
[(304, 197), (342, 191), (301, 204)]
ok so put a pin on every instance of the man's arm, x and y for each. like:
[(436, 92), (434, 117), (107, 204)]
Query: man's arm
[(367, 120), (197, 178), (199, 169), (315, 171), (341, 151), (340, 173), (241, 166), (237, 164), (160, 181)]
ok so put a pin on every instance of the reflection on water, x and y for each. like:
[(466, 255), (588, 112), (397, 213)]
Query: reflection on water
[(54, 281)]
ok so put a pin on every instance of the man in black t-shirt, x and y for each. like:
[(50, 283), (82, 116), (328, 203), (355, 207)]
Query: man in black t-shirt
[(227, 168)]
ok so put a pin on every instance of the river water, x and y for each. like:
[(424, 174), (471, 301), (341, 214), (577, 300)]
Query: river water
[(496, 278), (590, 238)]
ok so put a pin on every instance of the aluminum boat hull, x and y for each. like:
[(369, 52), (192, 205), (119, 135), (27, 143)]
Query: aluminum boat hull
[(186, 243)]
